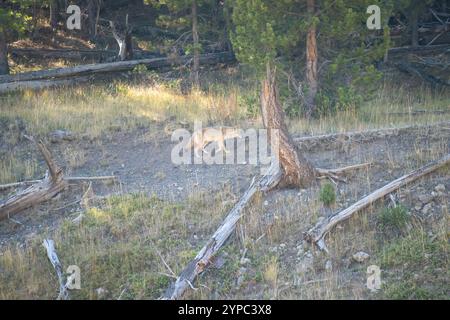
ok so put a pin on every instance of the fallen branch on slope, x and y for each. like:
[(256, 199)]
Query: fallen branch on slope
[(203, 258), (68, 179), (318, 232), (54, 260)]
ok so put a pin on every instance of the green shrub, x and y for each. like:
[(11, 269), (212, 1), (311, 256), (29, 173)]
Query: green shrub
[(327, 194), (394, 218)]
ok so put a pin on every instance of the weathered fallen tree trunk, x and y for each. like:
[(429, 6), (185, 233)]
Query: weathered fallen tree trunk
[(318, 232), (68, 179), (154, 63), (203, 258), (93, 54), (54, 260), (402, 50), (52, 184), (309, 142), (40, 84)]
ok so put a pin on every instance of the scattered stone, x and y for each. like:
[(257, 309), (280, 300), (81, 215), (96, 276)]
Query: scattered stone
[(306, 263), (426, 198), (418, 207), (328, 266), (440, 188), (60, 135), (245, 261), (360, 256), (426, 208), (101, 292), (266, 203)]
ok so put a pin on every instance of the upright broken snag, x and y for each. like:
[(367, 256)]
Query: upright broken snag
[(297, 171), (123, 38), (47, 188)]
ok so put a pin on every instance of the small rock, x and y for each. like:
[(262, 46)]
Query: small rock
[(245, 261), (306, 263), (60, 135), (328, 266), (426, 208), (266, 203), (101, 292), (360, 256), (439, 188), (426, 198)]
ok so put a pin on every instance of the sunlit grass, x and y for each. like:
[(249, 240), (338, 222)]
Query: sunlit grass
[(392, 106)]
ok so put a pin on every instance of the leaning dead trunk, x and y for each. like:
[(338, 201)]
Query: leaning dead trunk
[(51, 185), (311, 63), (4, 68), (297, 171), (196, 64)]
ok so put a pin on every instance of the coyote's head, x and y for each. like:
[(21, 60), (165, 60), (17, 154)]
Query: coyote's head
[(229, 133)]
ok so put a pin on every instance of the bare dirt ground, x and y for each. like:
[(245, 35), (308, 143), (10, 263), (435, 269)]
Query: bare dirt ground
[(141, 161)]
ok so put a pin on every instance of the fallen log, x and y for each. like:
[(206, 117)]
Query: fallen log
[(47, 188), (318, 232), (68, 179), (93, 54), (40, 84), (402, 50), (54, 260), (422, 74), (154, 63), (203, 258), (309, 142)]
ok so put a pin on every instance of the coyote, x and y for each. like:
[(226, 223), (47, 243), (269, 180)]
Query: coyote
[(202, 137)]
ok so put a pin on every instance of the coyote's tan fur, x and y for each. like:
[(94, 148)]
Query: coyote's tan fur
[(201, 137)]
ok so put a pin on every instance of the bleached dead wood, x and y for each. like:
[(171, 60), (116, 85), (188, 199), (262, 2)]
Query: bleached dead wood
[(309, 142), (54, 260), (40, 84), (154, 63), (68, 179), (203, 258), (47, 188), (318, 232)]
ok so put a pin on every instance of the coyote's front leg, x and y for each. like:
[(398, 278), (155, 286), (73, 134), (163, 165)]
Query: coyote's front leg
[(222, 147)]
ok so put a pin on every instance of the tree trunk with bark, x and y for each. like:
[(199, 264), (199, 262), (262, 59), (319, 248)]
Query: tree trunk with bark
[(54, 14), (92, 21), (311, 63), (297, 171), (414, 21), (4, 67), (196, 64)]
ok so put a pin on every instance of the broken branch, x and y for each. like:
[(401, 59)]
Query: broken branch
[(318, 232)]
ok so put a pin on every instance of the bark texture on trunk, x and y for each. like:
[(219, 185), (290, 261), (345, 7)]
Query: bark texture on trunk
[(196, 64), (54, 14), (92, 12), (4, 67), (311, 63), (297, 170), (414, 21)]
